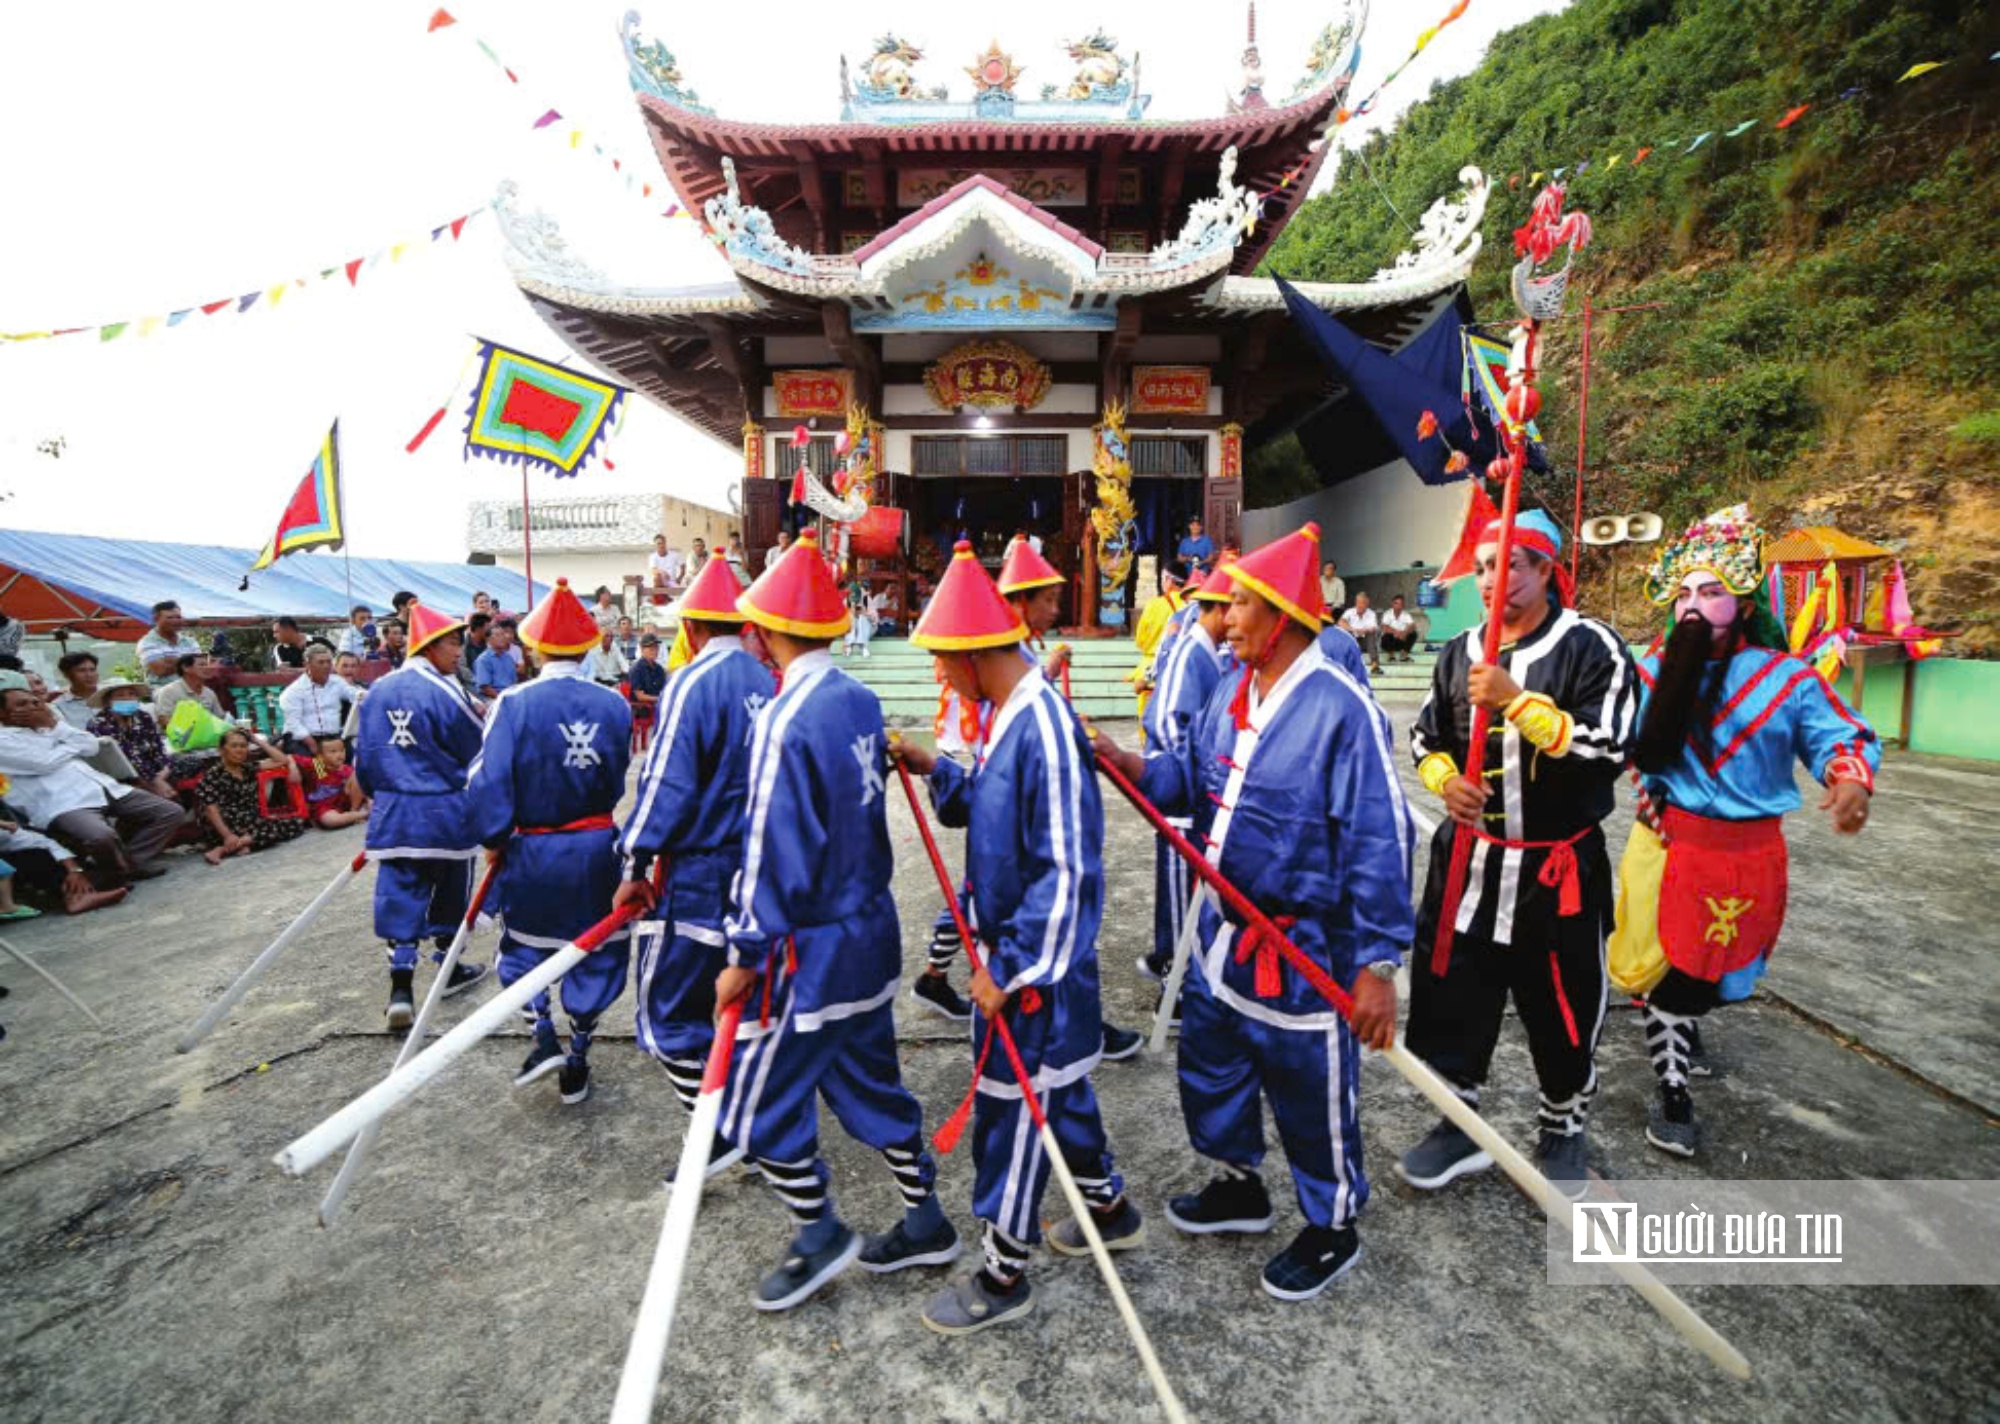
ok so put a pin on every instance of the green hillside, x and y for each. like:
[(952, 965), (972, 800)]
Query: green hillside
[(1830, 346)]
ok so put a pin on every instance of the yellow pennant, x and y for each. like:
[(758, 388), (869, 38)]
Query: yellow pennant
[(575, 137), (1925, 68), (1536, 177), (277, 293)]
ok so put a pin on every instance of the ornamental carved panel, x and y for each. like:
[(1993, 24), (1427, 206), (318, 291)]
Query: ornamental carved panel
[(988, 375)]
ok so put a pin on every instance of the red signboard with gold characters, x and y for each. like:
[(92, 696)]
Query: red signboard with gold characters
[(810, 392), (989, 374), (1169, 390)]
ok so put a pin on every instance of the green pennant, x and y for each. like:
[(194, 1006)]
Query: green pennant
[(111, 331)]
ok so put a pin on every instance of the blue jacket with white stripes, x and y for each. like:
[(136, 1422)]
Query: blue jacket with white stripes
[(1187, 680), (418, 733), (1310, 823), (556, 751), (816, 856), (696, 784), (1034, 823)]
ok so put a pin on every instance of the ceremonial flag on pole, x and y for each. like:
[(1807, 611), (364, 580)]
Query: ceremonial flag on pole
[(528, 411), (312, 519)]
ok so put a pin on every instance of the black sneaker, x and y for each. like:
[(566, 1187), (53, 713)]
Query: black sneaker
[(800, 1274), (974, 1302), (1670, 1124), (402, 1005), (935, 993), (544, 1058), (574, 1083), (463, 977), (1446, 1154), (898, 1250), (1561, 1157), (1227, 1204), (1123, 1230), (1149, 970), (1317, 1257), (1121, 1043)]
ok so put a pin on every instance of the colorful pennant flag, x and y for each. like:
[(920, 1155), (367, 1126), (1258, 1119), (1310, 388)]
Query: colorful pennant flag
[(526, 411), (1925, 68), (1792, 116), (439, 19), (312, 519), (1742, 128), (546, 119)]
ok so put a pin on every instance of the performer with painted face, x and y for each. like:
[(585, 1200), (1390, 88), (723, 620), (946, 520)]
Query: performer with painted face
[(1537, 902), (1726, 713), (814, 946), (1035, 862), (689, 810), (416, 733), (1308, 820), (541, 795)]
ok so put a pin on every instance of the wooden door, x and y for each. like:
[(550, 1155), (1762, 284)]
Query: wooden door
[(1222, 512), (761, 503)]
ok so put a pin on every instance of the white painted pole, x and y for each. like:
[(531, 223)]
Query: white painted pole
[(205, 1025), (54, 983), (1671, 1308), (350, 1167), (1170, 991), (647, 1353)]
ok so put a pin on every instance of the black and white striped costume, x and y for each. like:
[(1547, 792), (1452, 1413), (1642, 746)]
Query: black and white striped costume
[(1510, 937)]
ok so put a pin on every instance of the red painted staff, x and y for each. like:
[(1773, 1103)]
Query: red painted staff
[(1540, 299)]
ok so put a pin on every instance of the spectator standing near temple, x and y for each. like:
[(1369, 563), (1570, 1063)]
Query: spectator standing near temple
[(314, 705), (475, 644), (495, 671), (161, 649), (1399, 630), (53, 785), (777, 550), (194, 671), (79, 671), (1197, 550), (1366, 628), (288, 644), (647, 678), (738, 565)]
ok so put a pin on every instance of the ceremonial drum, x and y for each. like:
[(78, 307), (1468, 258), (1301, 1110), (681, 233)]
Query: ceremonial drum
[(878, 534)]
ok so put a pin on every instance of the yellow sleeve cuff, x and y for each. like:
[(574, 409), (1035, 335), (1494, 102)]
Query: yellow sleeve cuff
[(1537, 718), (1435, 770)]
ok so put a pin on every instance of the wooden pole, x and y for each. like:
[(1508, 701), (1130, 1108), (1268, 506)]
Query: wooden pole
[(1582, 441)]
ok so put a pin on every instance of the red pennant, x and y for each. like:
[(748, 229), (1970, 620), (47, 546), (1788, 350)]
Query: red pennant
[(510, 74), (354, 271), (606, 461), (615, 163), (425, 434), (1640, 157), (439, 19), (458, 226), (645, 190), (1793, 116), (211, 308)]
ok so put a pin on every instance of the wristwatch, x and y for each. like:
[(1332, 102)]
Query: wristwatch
[(1383, 968)]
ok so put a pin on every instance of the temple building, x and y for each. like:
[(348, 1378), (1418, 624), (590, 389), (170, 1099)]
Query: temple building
[(996, 311)]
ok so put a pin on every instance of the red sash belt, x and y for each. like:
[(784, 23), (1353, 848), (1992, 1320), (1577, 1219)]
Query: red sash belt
[(1558, 871), (582, 823)]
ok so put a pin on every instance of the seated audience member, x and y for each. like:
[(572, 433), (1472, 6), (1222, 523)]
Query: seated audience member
[(120, 713), (1361, 622), (647, 678), (333, 796), (628, 639), (482, 602), (9, 908), (664, 565), (606, 613), (495, 671), (347, 667), (232, 811), (12, 631), (604, 663), (288, 644), (394, 637), (399, 606), (355, 637), (313, 705), (161, 650), (1399, 630), (45, 870), (192, 685), (79, 670), (120, 829)]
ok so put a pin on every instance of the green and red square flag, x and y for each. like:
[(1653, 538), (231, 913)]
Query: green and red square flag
[(312, 519), (527, 411)]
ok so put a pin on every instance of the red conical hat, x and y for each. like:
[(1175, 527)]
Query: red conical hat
[(1025, 569), (1194, 584), (713, 594), (1285, 574), (560, 626), (426, 625), (1216, 588), (797, 595), (967, 612)]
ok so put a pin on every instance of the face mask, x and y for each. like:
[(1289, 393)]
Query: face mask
[(124, 709)]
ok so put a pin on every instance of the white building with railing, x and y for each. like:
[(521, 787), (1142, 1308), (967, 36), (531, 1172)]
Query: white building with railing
[(600, 541)]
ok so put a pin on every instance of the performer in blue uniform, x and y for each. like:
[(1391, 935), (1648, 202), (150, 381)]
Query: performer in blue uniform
[(1310, 823), (540, 796), (689, 812), (1034, 856), (814, 945), (1725, 714), (417, 734)]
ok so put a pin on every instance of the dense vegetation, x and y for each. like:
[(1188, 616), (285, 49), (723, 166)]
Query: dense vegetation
[(1830, 343)]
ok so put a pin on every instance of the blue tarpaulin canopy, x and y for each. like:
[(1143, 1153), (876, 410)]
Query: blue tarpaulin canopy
[(107, 587)]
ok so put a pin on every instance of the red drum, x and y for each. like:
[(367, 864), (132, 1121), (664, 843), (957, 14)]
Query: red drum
[(878, 534)]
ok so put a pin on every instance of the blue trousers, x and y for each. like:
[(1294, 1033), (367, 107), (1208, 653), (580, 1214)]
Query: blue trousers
[(415, 899), (1172, 889), (679, 956), (1010, 1163), (777, 1078), (587, 990), (1312, 1079)]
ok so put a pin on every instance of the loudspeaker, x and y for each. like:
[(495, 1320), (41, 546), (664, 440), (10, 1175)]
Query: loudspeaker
[(1605, 529), (1643, 528)]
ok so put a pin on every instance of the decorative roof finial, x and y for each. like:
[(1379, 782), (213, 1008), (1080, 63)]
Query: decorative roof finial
[(1252, 98)]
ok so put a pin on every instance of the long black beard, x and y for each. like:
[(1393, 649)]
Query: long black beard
[(1682, 703)]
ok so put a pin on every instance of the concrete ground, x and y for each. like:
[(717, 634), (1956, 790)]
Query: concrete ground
[(490, 1263)]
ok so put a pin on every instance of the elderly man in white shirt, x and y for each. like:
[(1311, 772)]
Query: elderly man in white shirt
[(1360, 620), (606, 662), (53, 785), (315, 703)]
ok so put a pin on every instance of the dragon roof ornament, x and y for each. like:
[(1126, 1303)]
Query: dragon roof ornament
[(883, 88), (1447, 227), (747, 232), (538, 247), (1336, 51), (1216, 223), (653, 69)]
